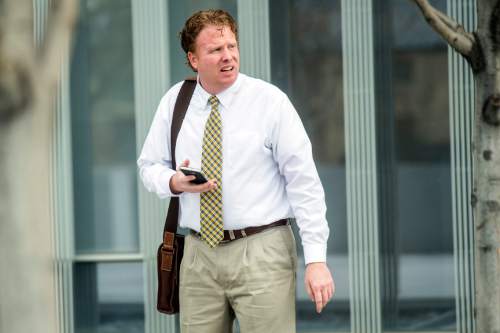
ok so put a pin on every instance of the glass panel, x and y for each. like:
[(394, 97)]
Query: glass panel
[(108, 298), (306, 63), (179, 12), (418, 286), (103, 129)]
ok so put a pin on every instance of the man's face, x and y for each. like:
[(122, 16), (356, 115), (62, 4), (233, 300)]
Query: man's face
[(216, 58)]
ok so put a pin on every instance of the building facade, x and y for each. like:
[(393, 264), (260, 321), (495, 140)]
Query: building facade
[(387, 105)]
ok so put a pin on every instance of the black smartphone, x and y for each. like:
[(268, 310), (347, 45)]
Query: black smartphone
[(200, 178)]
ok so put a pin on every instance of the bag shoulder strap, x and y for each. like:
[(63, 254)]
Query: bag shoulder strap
[(180, 108)]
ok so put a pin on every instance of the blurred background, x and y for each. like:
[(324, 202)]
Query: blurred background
[(376, 89)]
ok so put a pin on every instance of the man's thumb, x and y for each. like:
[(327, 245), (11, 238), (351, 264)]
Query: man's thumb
[(184, 163)]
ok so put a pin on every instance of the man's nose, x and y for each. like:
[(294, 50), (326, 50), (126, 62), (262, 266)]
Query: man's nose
[(226, 54)]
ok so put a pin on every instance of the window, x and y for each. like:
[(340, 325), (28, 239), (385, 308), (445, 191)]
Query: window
[(306, 63), (103, 130), (108, 298), (418, 288)]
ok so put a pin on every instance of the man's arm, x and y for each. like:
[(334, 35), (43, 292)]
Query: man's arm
[(155, 160), (292, 150)]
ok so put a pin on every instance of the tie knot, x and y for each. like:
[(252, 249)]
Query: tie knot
[(213, 101)]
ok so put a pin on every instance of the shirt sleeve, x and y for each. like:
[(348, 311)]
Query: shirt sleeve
[(293, 153), (155, 160)]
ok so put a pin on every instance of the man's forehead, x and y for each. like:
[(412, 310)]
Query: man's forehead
[(213, 35), (216, 30), (221, 30)]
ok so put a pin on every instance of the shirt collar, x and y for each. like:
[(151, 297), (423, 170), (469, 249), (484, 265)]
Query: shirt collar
[(225, 97)]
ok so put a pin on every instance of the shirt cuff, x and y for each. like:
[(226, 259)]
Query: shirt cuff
[(314, 253), (165, 182)]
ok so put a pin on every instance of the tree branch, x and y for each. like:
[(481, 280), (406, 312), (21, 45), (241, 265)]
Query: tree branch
[(451, 31), (62, 18), (16, 57), (456, 27)]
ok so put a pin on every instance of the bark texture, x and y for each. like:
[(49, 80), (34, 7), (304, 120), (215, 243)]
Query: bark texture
[(487, 170), (484, 58), (28, 82)]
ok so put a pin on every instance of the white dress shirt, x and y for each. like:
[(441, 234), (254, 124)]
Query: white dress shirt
[(268, 170)]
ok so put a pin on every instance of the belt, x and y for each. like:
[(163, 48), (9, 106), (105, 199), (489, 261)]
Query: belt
[(231, 235)]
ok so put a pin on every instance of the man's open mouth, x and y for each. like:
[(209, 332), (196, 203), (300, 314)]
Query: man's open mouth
[(227, 69)]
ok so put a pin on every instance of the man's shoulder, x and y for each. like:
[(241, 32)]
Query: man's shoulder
[(174, 90), (261, 86), (169, 97)]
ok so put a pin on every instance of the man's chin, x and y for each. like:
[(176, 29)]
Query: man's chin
[(228, 80)]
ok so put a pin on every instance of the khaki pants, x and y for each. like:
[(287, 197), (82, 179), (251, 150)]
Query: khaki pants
[(252, 279)]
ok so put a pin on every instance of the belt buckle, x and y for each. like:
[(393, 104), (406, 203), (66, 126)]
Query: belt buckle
[(232, 236)]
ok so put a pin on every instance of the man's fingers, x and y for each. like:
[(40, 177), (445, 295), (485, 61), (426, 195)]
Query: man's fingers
[(322, 293), (184, 180), (330, 292), (208, 186), (325, 292), (189, 178), (309, 292), (331, 289), (318, 299), (322, 296), (202, 187), (184, 163)]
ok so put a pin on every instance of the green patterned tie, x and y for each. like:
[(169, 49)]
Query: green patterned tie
[(212, 230)]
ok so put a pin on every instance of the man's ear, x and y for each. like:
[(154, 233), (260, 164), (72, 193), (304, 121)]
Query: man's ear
[(193, 60)]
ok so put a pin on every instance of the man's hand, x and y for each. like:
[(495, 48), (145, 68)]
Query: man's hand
[(179, 182), (319, 284)]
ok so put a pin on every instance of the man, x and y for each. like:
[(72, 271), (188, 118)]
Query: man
[(247, 138)]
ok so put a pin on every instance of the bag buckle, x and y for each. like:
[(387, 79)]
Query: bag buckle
[(167, 251)]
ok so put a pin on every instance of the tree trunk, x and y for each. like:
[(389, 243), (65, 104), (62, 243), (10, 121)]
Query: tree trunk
[(482, 50), (27, 272), (27, 285), (486, 148), (28, 79)]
